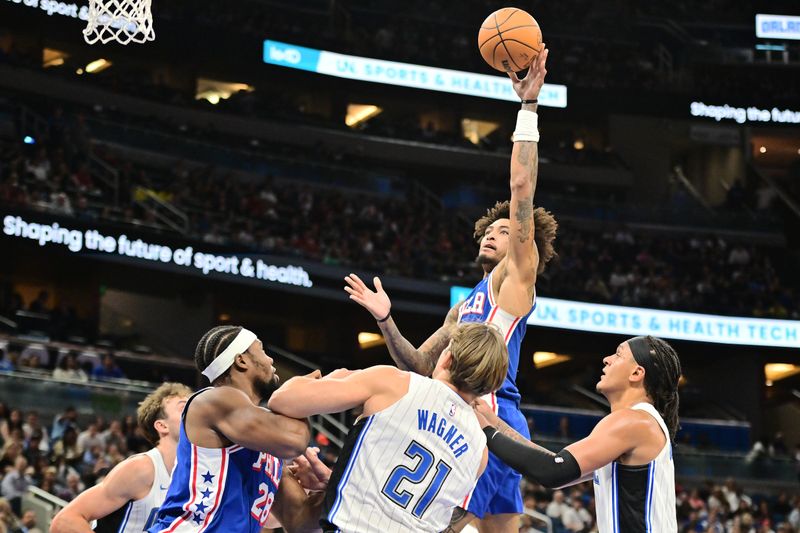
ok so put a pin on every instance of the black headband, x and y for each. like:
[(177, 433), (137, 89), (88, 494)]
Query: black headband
[(643, 354)]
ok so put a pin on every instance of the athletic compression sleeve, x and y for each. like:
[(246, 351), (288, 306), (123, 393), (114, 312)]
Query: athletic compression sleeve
[(547, 468)]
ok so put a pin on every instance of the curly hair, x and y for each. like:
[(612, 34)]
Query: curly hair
[(545, 229)]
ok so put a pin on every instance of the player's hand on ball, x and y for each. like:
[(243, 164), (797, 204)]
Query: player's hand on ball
[(485, 415), (376, 302), (310, 471), (528, 87)]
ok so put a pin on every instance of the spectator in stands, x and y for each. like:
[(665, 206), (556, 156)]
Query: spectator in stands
[(69, 369), (5, 364), (90, 438), (33, 448), (797, 460), (576, 518), (33, 426), (108, 369), (13, 422), (557, 507), (69, 418), (15, 484), (73, 487), (28, 523), (40, 304), (794, 515), (66, 449), (8, 522), (114, 436)]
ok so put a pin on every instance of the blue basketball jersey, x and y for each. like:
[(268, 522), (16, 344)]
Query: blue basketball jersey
[(218, 489), (481, 307)]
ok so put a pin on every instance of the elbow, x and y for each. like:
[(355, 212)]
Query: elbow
[(60, 522), (296, 440), (520, 185), (55, 524), (302, 438), (550, 484), (276, 401)]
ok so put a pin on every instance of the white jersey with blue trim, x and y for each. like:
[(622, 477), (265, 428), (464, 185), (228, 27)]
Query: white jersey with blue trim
[(480, 306), (218, 489), (640, 498), (138, 515), (406, 467)]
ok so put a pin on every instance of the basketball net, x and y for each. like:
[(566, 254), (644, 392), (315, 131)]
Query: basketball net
[(124, 21)]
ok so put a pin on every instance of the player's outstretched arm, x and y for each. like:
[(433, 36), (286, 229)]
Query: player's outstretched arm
[(230, 412), (421, 360), (516, 292), (615, 435), (339, 391), (129, 480)]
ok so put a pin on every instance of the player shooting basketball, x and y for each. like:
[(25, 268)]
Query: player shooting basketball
[(515, 243)]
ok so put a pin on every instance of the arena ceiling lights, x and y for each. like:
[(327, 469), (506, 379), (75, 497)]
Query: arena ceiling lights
[(404, 74), (215, 90), (360, 113), (53, 58), (545, 359), (370, 340), (778, 371)]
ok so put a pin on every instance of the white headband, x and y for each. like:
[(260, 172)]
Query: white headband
[(224, 360)]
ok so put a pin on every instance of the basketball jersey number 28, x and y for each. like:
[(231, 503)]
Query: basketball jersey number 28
[(415, 476)]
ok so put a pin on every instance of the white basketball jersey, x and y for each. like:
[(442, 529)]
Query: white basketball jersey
[(641, 498), (138, 515), (405, 468)]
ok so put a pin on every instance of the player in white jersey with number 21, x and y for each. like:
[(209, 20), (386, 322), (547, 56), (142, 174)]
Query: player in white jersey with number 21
[(417, 449)]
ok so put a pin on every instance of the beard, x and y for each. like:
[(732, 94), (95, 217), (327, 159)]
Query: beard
[(485, 262), (265, 388)]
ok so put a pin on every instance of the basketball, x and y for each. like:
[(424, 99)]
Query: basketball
[(509, 39)]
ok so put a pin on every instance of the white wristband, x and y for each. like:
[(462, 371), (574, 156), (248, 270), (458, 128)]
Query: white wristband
[(527, 126)]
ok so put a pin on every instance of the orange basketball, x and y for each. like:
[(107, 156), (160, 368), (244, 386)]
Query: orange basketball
[(509, 39)]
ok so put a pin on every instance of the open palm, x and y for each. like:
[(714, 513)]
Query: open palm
[(376, 302)]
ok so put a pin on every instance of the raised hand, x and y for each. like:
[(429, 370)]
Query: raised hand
[(485, 415), (376, 302), (310, 471), (528, 87)]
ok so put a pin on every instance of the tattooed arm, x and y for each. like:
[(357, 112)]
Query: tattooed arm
[(516, 292), (421, 360)]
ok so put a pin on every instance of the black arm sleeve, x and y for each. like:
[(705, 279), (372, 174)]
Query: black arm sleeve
[(547, 468)]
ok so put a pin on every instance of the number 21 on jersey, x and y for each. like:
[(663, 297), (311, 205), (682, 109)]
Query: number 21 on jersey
[(415, 476)]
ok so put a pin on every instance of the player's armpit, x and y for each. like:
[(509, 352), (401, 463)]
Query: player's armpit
[(130, 480), (233, 415), (297, 511)]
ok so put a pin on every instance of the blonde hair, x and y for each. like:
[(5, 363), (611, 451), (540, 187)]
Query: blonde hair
[(152, 407), (480, 358)]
